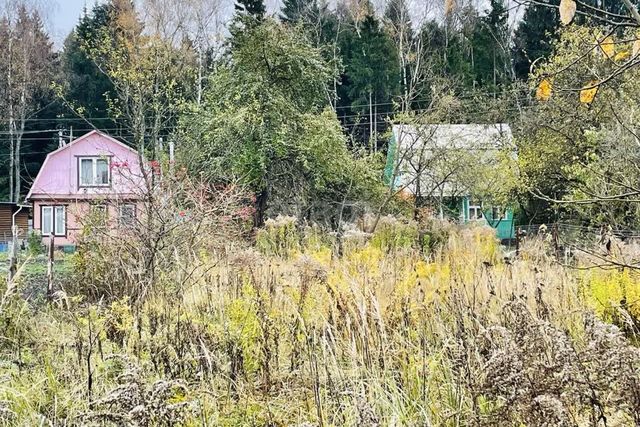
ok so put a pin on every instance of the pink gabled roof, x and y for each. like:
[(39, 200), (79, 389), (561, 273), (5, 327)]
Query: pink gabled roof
[(85, 136), (66, 186)]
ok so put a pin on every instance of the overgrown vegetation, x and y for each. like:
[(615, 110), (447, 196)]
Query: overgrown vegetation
[(384, 335), (266, 275)]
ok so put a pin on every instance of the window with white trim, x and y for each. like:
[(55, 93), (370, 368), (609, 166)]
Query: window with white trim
[(126, 215), (475, 211), (498, 212), (93, 172), (53, 219)]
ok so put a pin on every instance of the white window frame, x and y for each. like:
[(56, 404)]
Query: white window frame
[(121, 220), (94, 168), (501, 213), (477, 208), (55, 209)]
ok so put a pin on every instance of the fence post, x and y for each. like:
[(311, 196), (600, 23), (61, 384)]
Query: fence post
[(554, 236), (518, 236), (50, 268), (13, 255)]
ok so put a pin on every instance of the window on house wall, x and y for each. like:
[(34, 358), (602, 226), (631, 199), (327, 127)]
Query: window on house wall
[(475, 210), (127, 215), (47, 220), (497, 212), (94, 171), (53, 220)]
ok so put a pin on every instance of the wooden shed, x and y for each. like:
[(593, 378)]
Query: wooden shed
[(7, 210)]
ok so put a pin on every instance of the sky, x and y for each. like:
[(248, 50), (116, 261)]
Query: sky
[(62, 15)]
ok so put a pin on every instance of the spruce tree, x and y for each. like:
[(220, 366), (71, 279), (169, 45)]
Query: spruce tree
[(445, 55), (534, 37), (370, 78), (491, 47), (86, 85), (296, 11)]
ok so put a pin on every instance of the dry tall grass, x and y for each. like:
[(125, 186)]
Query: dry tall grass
[(387, 335)]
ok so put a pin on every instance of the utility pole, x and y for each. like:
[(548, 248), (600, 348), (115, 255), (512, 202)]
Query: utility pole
[(60, 139)]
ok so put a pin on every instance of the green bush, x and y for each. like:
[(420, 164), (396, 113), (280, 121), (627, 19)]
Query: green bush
[(34, 243)]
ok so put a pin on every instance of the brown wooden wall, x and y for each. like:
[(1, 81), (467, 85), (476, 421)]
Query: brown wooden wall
[(22, 219)]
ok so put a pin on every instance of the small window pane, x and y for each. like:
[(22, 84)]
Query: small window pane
[(102, 171), (127, 215), (86, 172), (60, 221), (47, 220), (475, 212)]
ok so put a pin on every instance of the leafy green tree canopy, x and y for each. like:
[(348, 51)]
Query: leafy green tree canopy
[(262, 122)]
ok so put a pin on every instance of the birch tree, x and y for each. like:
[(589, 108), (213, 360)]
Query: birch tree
[(151, 75), (25, 63)]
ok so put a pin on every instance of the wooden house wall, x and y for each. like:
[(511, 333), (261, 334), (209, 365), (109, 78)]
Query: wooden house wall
[(22, 220)]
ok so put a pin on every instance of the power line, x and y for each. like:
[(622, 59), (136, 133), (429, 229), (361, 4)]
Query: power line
[(470, 114), (468, 96)]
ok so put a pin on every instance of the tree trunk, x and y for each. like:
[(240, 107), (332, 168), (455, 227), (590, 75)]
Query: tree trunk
[(261, 207), (375, 127), (12, 160), (370, 121), (200, 65), (11, 120)]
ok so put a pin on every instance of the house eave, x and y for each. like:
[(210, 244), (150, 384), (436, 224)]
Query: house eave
[(72, 197)]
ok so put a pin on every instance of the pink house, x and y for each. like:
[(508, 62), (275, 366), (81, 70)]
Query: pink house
[(93, 173)]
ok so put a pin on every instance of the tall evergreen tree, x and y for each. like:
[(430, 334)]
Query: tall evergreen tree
[(253, 8), (27, 65), (534, 37), (299, 11), (370, 77), (86, 87), (491, 47)]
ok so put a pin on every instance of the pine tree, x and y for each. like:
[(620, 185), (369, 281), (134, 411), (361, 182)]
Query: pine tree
[(534, 37)]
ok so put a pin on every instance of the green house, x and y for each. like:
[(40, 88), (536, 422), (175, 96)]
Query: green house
[(501, 219), (437, 162)]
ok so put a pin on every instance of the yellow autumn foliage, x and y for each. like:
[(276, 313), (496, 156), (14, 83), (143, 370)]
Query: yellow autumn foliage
[(609, 291), (608, 47), (621, 56), (543, 92), (588, 93)]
